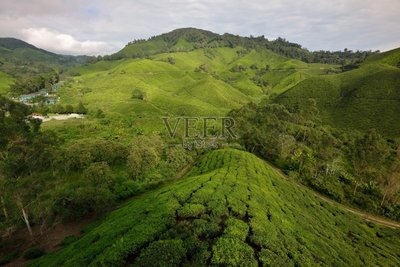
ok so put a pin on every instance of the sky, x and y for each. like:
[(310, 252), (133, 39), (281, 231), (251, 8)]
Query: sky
[(94, 27)]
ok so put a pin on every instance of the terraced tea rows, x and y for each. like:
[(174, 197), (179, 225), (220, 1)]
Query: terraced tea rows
[(231, 209)]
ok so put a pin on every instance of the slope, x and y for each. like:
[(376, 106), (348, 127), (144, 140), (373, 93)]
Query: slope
[(364, 98), (231, 209)]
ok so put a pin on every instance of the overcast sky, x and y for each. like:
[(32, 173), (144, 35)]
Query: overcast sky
[(103, 27)]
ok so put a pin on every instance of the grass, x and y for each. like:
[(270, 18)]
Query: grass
[(231, 209)]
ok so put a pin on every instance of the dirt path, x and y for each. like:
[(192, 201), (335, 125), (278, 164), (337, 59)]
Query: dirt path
[(365, 215)]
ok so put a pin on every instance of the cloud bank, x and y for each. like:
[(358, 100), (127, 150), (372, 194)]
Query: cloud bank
[(102, 27), (62, 43)]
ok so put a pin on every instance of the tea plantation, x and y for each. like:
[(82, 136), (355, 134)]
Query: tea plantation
[(231, 209)]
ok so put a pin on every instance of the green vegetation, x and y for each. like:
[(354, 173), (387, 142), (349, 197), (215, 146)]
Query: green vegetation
[(250, 215), (349, 166), (361, 99), (70, 180), (310, 114)]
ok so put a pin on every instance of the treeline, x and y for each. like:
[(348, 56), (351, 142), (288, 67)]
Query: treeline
[(43, 179), (206, 39), (361, 169)]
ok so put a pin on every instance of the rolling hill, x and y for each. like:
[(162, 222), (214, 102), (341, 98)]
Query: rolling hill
[(364, 98), (231, 209), (202, 82)]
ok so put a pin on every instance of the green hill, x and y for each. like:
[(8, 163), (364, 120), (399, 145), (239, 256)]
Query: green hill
[(231, 209), (20, 59), (364, 98), (188, 39)]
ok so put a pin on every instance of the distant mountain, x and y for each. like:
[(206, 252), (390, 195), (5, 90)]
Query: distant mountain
[(18, 58), (187, 39)]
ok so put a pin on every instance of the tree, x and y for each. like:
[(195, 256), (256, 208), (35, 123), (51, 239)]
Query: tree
[(391, 181), (98, 174), (144, 155), (81, 109), (69, 109), (369, 155), (171, 60), (59, 109), (138, 94)]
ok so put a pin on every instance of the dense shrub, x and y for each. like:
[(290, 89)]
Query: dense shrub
[(233, 252), (126, 188), (82, 153), (77, 200), (162, 253)]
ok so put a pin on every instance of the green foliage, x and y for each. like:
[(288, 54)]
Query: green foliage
[(362, 99), (191, 210), (99, 174), (143, 156), (78, 200), (126, 188), (232, 252), (82, 153), (332, 161), (281, 224), (162, 253), (236, 228), (68, 240), (81, 109)]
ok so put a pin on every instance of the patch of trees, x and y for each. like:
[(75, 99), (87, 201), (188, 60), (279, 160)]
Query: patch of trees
[(35, 83), (238, 68), (139, 94), (202, 68), (43, 180), (361, 169), (66, 109)]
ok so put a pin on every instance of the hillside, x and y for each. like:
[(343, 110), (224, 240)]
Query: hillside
[(20, 59), (231, 209), (195, 83), (364, 98)]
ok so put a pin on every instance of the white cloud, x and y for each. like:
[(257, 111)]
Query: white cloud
[(63, 43)]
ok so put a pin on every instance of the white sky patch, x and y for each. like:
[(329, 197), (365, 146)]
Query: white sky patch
[(63, 43)]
